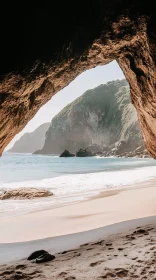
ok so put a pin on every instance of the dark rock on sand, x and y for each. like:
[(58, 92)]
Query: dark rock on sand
[(66, 154), (45, 258), (25, 193), (36, 254), (141, 231), (84, 153)]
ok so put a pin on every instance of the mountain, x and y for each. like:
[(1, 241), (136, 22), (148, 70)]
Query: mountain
[(103, 115), (29, 142)]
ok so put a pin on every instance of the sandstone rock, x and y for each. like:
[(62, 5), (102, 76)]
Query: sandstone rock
[(25, 193), (84, 153), (66, 154)]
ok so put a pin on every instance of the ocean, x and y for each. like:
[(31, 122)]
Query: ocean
[(70, 179)]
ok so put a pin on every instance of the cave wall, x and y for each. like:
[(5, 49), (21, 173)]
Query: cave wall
[(45, 46)]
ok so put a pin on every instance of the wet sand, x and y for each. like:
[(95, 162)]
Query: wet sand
[(124, 252), (106, 209)]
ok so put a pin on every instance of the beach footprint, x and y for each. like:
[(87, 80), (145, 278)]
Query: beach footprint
[(121, 272), (96, 263)]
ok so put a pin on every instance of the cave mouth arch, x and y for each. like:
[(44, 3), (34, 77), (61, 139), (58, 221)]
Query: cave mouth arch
[(122, 31), (93, 112), (87, 80)]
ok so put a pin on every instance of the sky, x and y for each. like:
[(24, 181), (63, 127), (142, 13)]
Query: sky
[(86, 80)]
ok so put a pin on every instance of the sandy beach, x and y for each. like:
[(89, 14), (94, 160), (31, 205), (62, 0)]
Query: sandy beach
[(124, 251), (105, 209), (117, 226)]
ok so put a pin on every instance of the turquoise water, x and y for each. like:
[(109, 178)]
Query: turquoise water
[(70, 179), (24, 167)]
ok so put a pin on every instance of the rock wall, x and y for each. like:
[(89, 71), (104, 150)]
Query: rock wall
[(102, 116), (45, 46)]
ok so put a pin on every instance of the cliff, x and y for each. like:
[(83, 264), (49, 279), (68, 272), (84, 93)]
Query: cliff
[(29, 142), (103, 115)]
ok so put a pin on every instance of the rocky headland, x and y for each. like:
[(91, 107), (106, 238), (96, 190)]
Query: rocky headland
[(31, 141), (102, 122)]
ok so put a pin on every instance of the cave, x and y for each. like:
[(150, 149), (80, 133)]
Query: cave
[(45, 46)]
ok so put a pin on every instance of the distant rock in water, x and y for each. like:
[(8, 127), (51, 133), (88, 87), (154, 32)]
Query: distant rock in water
[(25, 193), (66, 154), (99, 120), (32, 141), (84, 153)]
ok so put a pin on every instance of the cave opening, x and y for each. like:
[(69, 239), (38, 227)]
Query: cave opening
[(71, 139), (85, 81), (92, 118), (93, 184), (102, 189)]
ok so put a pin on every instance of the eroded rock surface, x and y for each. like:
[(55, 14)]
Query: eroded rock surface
[(25, 193), (45, 46)]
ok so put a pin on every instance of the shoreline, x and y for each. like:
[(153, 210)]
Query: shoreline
[(75, 187), (70, 242), (88, 196), (140, 156), (106, 208)]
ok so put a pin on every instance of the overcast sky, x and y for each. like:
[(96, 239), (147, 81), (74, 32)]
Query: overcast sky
[(87, 80)]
